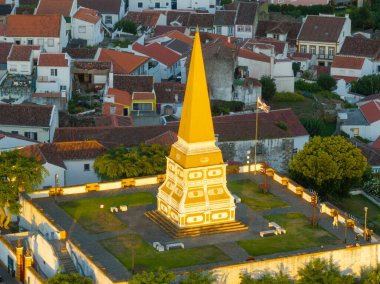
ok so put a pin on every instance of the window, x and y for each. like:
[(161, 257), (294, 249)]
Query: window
[(81, 29), (295, 150), (355, 131), (230, 31), (157, 5), (248, 29), (18, 41), (212, 6), (219, 30), (331, 51), (139, 5), (303, 49), (41, 41), (50, 42), (30, 41), (312, 49), (54, 72), (125, 111), (322, 50), (143, 106), (276, 36), (108, 20), (63, 88), (86, 167), (31, 135), (240, 28)]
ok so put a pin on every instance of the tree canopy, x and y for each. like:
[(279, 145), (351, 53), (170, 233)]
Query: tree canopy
[(160, 276), (126, 26), (136, 161), (198, 278), (17, 173), (367, 85), (76, 278), (326, 82), (266, 278), (268, 87), (330, 165)]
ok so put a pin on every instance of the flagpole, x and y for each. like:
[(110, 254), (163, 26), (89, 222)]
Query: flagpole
[(257, 125)]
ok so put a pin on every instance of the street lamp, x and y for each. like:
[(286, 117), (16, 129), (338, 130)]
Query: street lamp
[(56, 180), (345, 228), (365, 223), (249, 160)]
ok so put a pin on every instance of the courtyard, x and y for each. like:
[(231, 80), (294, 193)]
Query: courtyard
[(123, 241)]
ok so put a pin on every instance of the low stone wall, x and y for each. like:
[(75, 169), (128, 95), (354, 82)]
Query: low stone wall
[(350, 260)]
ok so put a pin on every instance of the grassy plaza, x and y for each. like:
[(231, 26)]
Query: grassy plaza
[(299, 235), (92, 218), (252, 196), (147, 258)]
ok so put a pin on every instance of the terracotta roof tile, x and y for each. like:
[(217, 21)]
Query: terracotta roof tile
[(33, 26), (348, 79), (360, 46), (87, 15), (143, 18), (17, 136), (202, 20), (348, 62), (140, 96), (23, 114), (321, 28), (268, 26), (54, 7), (133, 83), (224, 18), (180, 36), (165, 139), (181, 17), (158, 52), (376, 144), (104, 7), (166, 92), (245, 53), (371, 111), (371, 98), (371, 153), (113, 120), (160, 30), (5, 48), (120, 97), (92, 65), (53, 60), (246, 13), (22, 52), (123, 62), (80, 53)]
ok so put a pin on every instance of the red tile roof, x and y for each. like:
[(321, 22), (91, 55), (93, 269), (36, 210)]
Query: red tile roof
[(371, 111), (147, 18), (120, 97), (123, 62), (5, 48), (104, 7), (348, 62), (360, 46), (180, 36), (165, 139), (158, 52), (348, 79), (160, 30), (166, 92), (133, 83), (371, 98), (202, 20), (301, 56), (22, 52), (54, 7), (246, 13), (24, 114), (140, 96), (92, 65), (33, 26), (113, 120), (87, 15), (376, 144), (321, 28), (245, 53), (53, 60)]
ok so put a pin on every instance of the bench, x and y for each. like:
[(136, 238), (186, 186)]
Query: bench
[(268, 233), (114, 209), (158, 246), (280, 230), (175, 246), (123, 208)]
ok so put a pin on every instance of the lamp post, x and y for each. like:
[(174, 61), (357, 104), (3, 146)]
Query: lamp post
[(365, 223), (249, 160), (56, 180), (345, 227)]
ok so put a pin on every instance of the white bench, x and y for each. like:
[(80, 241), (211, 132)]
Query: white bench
[(268, 233), (278, 228), (175, 246), (114, 209), (237, 199), (158, 246), (123, 208)]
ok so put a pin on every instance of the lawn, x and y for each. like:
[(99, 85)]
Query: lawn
[(299, 235), (303, 109), (254, 197), (147, 258), (354, 204), (88, 214)]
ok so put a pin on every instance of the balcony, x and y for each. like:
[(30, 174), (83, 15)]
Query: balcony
[(325, 56)]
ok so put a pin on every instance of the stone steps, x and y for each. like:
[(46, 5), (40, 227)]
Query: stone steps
[(175, 232), (63, 256)]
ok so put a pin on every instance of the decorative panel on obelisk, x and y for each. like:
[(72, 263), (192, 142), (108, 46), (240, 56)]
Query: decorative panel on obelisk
[(195, 193)]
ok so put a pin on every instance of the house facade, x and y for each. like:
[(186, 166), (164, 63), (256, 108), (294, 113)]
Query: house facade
[(37, 122), (47, 31), (246, 19), (207, 5), (323, 36), (140, 5), (350, 68), (9, 141), (20, 59), (224, 22), (112, 11), (87, 25)]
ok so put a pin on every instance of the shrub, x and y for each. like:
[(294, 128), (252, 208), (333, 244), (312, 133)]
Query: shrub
[(307, 87), (328, 95), (326, 82), (225, 107), (288, 97), (268, 87), (314, 126), (126, 26), (372, 187)]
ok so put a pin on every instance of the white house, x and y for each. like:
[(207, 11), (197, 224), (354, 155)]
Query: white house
[(146, 20), (350, 68), (20, 59), (112, 11), (246, 19), (140, 5), (37, 122), (54, 74), (168, 60), (283, 75), (209, 5), (363, 122), (47, 31), (87, 25), (10, 141), (67, 163), (224, 22)]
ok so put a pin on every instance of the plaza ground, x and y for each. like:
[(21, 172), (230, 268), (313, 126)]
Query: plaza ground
[(116, 240)]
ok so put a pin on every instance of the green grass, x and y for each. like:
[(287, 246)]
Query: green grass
[(299, 235), (147, 258), (328, 129), (254, 197), (303, 109), (88, 214), (354, 204)]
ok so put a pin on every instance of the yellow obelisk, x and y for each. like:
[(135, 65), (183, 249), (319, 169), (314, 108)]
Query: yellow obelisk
[(194, 193)]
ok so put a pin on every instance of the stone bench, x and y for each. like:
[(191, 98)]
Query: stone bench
[(123, 208), (278, 228), (175, 246), (114, 209), (158, 246), (268, 233)]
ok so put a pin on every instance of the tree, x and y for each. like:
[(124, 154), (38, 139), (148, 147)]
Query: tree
[(372, 187), (296, 66), (330, 165), (320, 271), (314, 126), (158, 277), (69, 279), (18, 173), (268, 87), (198, 278), (326, 82), (137, 161), (223, 2), (367, 85), (126, 26), (267, 278), (370, 275)]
